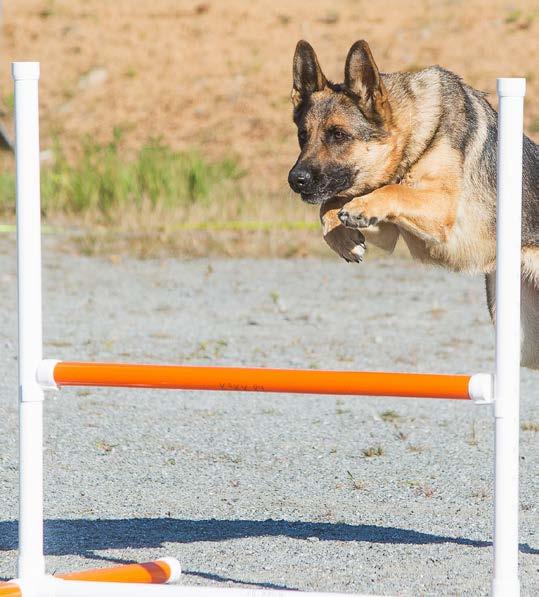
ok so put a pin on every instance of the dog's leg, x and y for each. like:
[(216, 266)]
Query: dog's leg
[(529, 308), (490, 289), (428, 213), (529, 317), (529, 314), (349, 243)]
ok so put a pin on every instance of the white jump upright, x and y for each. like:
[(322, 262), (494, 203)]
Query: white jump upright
[(32, 580), (507, 377), (31, 561)]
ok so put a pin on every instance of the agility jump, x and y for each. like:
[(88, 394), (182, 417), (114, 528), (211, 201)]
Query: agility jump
[(500, 390)]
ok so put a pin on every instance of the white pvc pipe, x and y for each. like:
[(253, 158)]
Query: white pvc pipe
[(507, 378), (480, 388), (45, 374), (31, 561), (72, 588)]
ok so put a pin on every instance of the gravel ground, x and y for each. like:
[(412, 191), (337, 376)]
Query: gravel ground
[(269, 491)]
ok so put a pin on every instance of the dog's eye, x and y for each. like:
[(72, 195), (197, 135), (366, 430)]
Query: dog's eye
[(337, 135)]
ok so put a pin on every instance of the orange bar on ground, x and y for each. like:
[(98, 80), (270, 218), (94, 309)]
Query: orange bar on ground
[(147, 572), (9, 589), (245, 379)]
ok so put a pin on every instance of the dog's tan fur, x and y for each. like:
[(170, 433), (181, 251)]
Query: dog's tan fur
[(429, 207)]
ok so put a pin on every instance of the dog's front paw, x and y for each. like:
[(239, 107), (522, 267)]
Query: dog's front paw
[(347, 243), (353, 220)]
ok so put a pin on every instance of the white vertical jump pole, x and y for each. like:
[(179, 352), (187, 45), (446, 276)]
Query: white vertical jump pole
[(511, 93), (31, 562)]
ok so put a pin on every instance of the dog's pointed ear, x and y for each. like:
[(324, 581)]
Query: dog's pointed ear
[(307, 74), (362, 78)]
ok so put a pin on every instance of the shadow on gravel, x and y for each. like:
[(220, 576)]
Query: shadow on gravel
[(80, 536)]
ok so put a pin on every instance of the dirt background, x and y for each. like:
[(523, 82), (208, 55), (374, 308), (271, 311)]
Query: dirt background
[(216, 75)]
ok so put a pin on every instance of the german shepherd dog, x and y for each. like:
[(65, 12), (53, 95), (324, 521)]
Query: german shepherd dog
[(410, 155)]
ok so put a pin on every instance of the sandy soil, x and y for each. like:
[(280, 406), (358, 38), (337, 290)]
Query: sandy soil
[(268, 491), (217, 74)]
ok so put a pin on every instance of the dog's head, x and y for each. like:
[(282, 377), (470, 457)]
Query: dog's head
[(344, 131)]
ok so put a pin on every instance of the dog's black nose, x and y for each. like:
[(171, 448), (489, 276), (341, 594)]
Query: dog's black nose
[(299, 179)]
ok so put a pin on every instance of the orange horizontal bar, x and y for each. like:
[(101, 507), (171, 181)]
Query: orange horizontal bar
[(9, 589), (148, 572), (244, 379)]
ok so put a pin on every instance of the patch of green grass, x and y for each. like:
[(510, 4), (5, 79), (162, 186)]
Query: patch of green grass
[(520, 19), (9, 101), (103, 178), (7, 192), (247, 225), (48, 10), (513, 16), (372, 451), (390, 416)]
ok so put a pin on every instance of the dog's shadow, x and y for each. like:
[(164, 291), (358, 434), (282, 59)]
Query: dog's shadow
[(76, 536), (84, 537)]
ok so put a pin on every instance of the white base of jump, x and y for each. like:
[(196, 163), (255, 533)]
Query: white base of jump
[(49, 586)]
